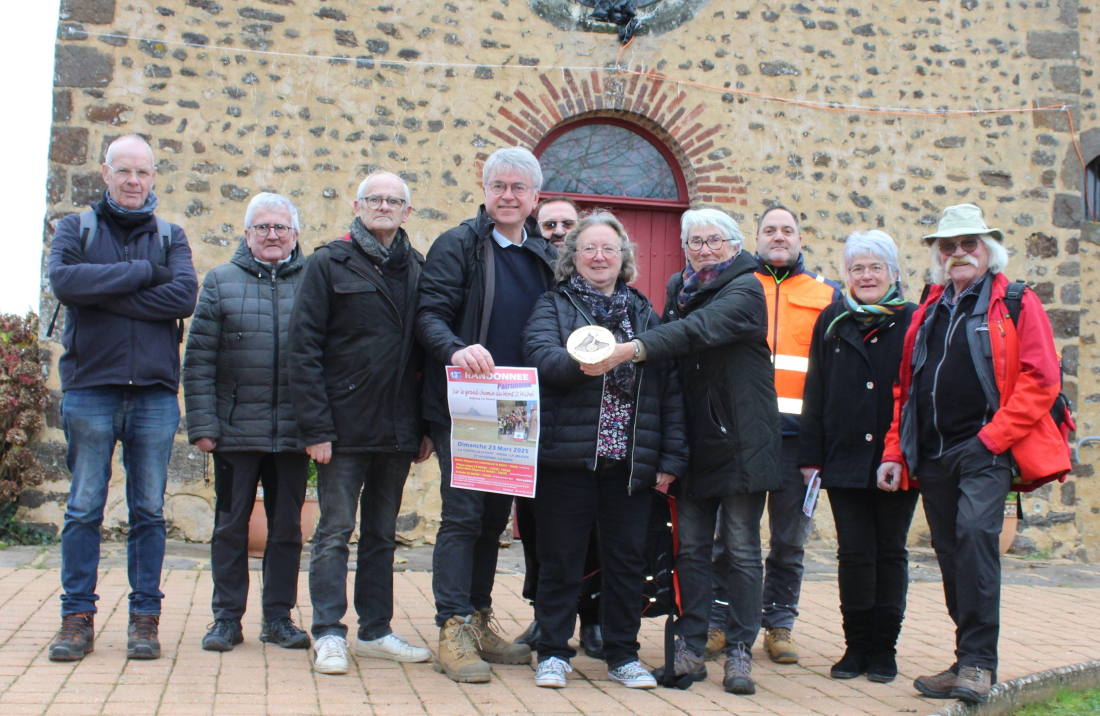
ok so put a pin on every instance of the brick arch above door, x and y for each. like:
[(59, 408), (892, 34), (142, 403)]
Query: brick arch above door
[(532, 111)]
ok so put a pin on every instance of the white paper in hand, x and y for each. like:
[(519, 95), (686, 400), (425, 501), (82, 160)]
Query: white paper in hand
[(810, 502)]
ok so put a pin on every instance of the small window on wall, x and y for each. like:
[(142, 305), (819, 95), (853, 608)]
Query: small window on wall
[(1092, 191), (609, 160)]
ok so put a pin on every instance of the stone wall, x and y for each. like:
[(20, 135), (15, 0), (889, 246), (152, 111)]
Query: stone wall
[(304, 97)]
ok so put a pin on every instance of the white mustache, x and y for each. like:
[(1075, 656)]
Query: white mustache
[(963, 261)]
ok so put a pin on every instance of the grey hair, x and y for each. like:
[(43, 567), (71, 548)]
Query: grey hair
[(270, 202), (874, 243), (518, 159), (695, 218), (998, 258), (110, 155), (567, 263), (363, 185)]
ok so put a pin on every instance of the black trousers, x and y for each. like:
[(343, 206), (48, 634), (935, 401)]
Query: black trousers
[(964, 493), (588, 607), (871, 529), (236, 475), (567, 504)]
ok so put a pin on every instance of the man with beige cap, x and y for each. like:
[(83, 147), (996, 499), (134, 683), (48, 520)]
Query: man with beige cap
[(979, 377)]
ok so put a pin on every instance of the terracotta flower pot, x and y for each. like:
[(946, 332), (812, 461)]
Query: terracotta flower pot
[(257, 524), (1008, 530)]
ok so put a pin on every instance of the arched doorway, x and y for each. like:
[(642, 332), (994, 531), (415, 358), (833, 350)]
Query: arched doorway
[(609, 163)]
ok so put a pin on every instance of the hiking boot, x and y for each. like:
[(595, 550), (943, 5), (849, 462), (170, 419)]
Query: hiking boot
[(75, 638), (591, 640), (491, 647), (141, 637), (282, 632), (973, 684), (939, 686), (330, 654), (716, 644), (633, 675), (780, 646), (458, 656), (686, 663), (223, 635), (392, 647), (738, 676), (551, 673), (530, 635)]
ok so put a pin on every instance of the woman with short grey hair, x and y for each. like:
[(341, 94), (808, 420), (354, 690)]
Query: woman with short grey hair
[(712, 218), (847, 406)]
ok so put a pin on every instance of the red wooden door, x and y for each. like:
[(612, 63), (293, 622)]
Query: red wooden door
[(656, 232)]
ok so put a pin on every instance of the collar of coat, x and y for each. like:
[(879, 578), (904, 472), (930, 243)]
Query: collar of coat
[(482, 225), (244, 258), (742, 264)]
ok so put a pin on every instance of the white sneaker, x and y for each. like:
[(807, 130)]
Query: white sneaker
[(551, 673), (633, 676), (392, 647), (330, 655)]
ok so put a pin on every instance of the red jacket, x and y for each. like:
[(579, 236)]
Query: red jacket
[(1028, 376)]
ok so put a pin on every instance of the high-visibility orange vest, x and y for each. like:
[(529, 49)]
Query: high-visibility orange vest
[(794, 304)]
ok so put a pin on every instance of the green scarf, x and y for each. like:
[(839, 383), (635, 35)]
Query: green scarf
[(869, 314)]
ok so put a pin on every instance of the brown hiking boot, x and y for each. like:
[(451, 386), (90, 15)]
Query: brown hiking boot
[(491, 647), (973, 684), (141, 637), (780, 646), (716, 644), (457, 656), (938, 686), (75, 638)]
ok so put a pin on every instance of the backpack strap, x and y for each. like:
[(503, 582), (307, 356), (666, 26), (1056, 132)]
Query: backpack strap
[(89, 224), (1014, 295), (925, 292), (164, 230)]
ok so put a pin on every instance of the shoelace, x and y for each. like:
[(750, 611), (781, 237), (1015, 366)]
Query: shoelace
[(145, 626), (72, 627), (742, 664), (328, 646), (977, 670), (493, 624), (465, 635), (633, 670), (284, 626), (221, 627), (555, 664)]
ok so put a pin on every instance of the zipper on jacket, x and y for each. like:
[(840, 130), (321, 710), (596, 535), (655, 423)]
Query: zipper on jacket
[(952, 324), (126, 255), (275, 362)]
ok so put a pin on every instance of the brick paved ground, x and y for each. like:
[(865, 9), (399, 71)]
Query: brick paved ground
[(1045, 626)]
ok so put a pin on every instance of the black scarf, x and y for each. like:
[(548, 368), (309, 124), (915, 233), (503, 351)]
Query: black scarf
[(392, 263), (611, 312)]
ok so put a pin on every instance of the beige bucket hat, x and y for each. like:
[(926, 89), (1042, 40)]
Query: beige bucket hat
[(963, 220)]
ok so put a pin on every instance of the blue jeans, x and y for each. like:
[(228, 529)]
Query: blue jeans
[(95, 419), (374, 481)]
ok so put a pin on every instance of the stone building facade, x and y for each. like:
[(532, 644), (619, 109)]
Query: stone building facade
[(304, 97)]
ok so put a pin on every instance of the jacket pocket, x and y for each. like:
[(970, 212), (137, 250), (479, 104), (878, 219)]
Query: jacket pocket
[(232, 405), (725, 426)]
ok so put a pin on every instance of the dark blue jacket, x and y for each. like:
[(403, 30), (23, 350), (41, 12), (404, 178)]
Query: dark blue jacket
[(120, 330)]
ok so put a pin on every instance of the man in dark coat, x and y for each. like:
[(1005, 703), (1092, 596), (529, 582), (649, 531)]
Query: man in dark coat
[(238, 409), (125, 286), (480, 282), (355, 384)]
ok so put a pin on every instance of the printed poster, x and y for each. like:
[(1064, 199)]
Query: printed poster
[(494, 430)]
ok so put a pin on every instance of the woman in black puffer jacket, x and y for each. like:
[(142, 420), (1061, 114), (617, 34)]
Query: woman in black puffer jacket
[(605, 442)]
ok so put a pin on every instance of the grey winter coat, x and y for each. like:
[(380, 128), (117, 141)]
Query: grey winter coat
[(235, 377)]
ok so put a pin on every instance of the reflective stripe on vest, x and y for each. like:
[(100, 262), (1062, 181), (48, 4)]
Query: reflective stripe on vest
[(793, 307)]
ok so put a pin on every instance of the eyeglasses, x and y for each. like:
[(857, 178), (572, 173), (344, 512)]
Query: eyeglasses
[(567, 224), (281, 230), (969, 245), (713, 243), (141, 174), (375, 201), (609, 252), (518, 190), (875, 270)]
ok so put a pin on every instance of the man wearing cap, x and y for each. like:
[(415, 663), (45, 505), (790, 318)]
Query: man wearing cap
[(979, 376)]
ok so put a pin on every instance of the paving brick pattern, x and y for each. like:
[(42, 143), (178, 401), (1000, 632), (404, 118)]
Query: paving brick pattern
[(1044, 627)]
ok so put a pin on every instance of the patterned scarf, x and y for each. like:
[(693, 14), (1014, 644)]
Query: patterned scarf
[(869, 314), (695, 280), (611, 312)]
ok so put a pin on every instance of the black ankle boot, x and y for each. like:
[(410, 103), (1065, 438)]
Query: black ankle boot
[(857, 625), (882, 666)]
